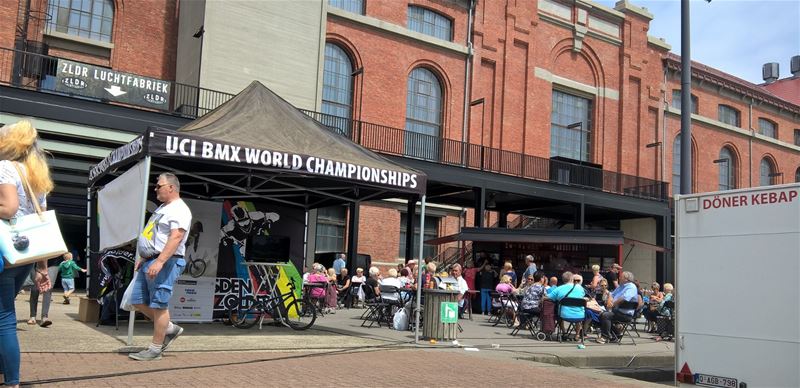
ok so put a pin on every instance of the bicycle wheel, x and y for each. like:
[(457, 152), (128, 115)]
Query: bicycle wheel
[(245, 318), (299, 315), (197, 268)]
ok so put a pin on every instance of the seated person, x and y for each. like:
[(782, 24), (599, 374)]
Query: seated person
[(391, 280), (650, 312), (372, 288), (626, 292), (317, 276), (343, 287), (405, 278), (506, 288), (571, 288), (532, 297)]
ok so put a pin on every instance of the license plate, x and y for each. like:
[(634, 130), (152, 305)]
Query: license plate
[(715, 381)]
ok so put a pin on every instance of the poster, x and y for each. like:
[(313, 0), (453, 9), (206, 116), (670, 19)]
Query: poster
[(202, 245), (192, 300)]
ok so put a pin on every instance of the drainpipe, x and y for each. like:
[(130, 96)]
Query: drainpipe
[(750, 139), (467, 86)]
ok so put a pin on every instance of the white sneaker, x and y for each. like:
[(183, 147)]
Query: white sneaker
[(146, 355)]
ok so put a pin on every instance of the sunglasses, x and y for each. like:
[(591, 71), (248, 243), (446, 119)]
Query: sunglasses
[(160, 186)]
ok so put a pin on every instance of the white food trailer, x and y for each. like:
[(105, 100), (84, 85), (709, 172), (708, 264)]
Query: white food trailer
[(738, 288)]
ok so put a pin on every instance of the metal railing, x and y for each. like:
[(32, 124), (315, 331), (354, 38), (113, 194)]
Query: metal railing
[(399, 142), (34, 71)]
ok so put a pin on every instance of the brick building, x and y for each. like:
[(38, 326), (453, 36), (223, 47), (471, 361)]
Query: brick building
[(543, 113)]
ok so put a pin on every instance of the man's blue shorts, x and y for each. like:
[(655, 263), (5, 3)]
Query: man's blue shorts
[(156, 292)]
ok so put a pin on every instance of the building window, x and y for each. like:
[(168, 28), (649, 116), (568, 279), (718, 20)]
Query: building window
[(797, 175), (768, 175), (676, 165), (354, 6), (90, 19), (337, 89), (423, 115), (676, 100), (768, 128), (330, 229), (729, 115), (431, 227), (430, 23), (727, 169), (571, 127), (797, 137)]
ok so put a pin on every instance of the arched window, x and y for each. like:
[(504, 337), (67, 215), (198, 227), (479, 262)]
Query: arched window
[(676, 165), (337, 88), (430, 23), (727, 169), (767, 175), (90, 19), (423, 114), (768, 128), (729, 115)]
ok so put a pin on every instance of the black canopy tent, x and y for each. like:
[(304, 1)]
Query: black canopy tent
[(258, 146)]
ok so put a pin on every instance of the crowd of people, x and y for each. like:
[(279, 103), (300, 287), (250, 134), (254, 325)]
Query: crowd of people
[(610, 299)]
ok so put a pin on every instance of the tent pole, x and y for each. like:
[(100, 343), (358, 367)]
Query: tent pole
[(420, 266), (142, 213), (88, 254)]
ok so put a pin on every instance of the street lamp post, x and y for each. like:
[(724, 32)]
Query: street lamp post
[(355, 73), (775, 175), (579, 126), (482, 102), (726, 162), (659, 174)]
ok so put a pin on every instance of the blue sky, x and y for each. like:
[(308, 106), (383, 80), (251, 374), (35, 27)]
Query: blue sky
[(735, 36)]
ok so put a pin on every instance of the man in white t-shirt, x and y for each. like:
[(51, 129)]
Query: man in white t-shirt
[(161, 247)]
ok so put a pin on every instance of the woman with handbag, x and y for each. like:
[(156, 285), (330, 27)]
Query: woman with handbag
[(23, 169)]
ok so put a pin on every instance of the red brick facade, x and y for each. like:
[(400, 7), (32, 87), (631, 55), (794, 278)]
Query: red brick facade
[(521, 53), (144, 36)]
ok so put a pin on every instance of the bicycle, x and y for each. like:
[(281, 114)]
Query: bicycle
[(196, 267), (285, 308)]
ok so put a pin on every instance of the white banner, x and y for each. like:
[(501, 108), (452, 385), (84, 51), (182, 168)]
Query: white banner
[(118, 207), (192, 300)]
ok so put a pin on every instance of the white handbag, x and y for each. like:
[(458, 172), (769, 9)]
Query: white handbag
[(33, 237)]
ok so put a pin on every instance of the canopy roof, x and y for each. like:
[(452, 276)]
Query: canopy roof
[(555, 236), (258, 145)]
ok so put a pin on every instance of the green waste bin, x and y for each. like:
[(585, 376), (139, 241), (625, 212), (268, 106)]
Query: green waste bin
[(440, 314)]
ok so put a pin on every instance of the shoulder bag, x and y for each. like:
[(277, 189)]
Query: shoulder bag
[(31, 238)]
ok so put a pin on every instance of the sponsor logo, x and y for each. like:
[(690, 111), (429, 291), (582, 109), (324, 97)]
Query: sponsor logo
[(74, 83), (154, 98)]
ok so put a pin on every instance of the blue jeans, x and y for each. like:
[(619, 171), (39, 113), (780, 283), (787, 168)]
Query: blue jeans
[(11, 281), (156, 292), (486, 300)]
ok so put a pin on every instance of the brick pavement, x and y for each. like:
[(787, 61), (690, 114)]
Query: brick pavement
[(440, 368)]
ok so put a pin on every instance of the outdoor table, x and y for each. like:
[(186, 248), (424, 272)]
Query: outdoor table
[(436, 323)]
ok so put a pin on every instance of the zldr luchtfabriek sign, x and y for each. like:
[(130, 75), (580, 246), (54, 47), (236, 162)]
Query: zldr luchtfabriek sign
[(99, 82)]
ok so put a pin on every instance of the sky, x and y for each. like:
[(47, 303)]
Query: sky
[(734, 36)]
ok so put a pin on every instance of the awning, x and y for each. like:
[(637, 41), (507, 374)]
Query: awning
[(553, 236)]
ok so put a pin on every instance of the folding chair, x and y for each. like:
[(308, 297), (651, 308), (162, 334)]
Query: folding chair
[(628, 322), (530, 320), (352, 295), (501, 303), (573, 323)]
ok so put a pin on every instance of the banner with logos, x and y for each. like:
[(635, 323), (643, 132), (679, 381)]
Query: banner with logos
[(192, 300), (104, 83)]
